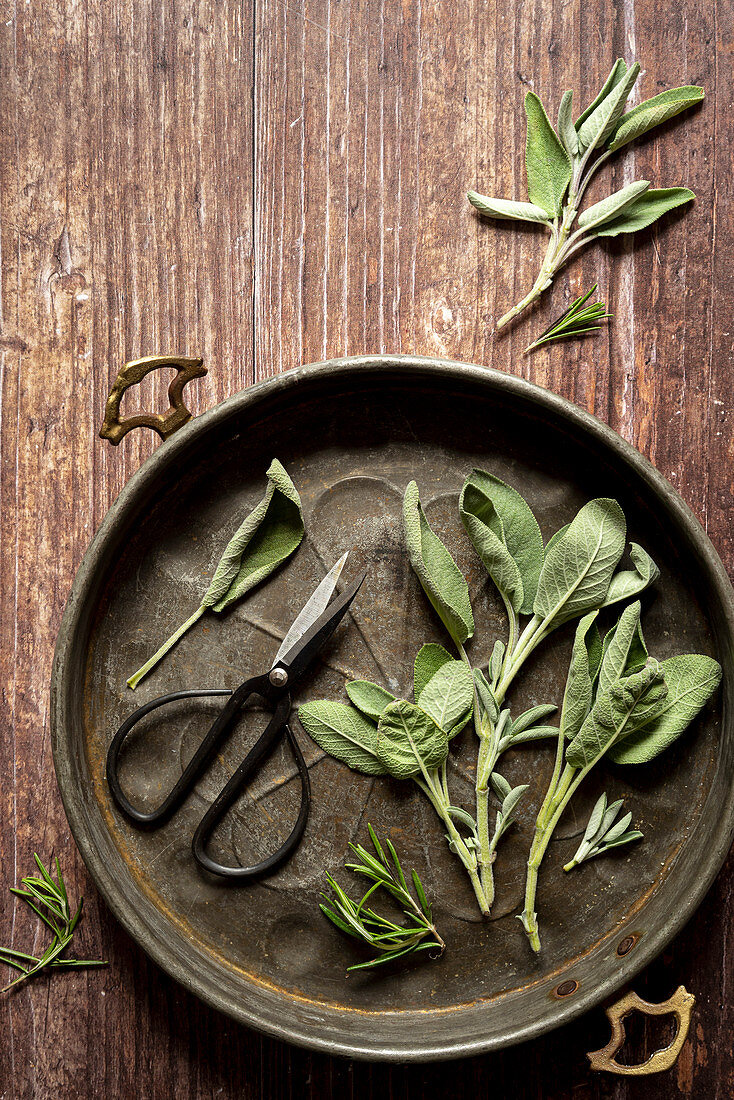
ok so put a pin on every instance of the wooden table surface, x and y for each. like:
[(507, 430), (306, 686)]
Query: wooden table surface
[(277, 182)]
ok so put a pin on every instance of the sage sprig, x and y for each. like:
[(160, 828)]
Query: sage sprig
[(49, 900), (604, 832), (578, 320), (381, 735), (618, 702), (263, 541), (560, 163), (388, 938)]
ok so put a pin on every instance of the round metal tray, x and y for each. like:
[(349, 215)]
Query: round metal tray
[(352, 433)]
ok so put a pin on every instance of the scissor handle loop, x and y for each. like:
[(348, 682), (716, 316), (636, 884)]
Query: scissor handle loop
[(219, 807), (257, 685)]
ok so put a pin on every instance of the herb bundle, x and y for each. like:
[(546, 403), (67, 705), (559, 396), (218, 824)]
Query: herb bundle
[(618, 701), (390, 940), (49, 900), (561, 162), (264, 540)]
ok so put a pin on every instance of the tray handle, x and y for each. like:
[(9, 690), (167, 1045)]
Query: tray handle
[(131, 374), (680, 1005)]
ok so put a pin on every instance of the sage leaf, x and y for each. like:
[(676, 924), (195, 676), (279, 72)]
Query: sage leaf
[(428, 660), (505, 534), (633, 834), (691, 680), (508, 209), (597, 816), (617, 830), (653, 112), (565, 127), (618, 73), (487, 700), (531, 717), (547, 163), (578, 695), (595, 129), (612, 205), (579, 565), (630, 582), (506, 815), (264, 540), (440, 577), (268, 536), (497, 660), (370, 698), (448, 697), (534, 733), (651, 206), (409, 742), (500, 786), (344, 733), (623, 708), (617, 650)]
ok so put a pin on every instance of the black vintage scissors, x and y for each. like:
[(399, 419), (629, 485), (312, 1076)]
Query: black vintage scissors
[(312, 628)]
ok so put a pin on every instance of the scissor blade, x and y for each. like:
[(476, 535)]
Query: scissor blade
[(303, 652), (312, 609)]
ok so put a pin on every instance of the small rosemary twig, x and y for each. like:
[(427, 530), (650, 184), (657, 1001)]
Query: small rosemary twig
[(55, 912), (390, 939), (578, 320)]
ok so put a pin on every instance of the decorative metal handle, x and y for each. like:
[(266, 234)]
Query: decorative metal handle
[(680, 1005), (131, 374)]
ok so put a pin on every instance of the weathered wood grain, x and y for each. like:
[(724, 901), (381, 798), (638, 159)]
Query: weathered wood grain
[(274, 182)]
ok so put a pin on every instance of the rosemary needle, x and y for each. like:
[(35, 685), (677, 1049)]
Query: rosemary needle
[(578, 320)]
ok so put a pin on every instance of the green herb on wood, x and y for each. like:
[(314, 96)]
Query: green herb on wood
[(560, 163), (604, 832), (578, 320), (390, 939), (265, 539), (49, 900)]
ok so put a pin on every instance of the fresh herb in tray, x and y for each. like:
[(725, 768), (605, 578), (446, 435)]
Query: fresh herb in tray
[(388, 938), (617, 699), (49, 900), (264, 540), (561, 162)]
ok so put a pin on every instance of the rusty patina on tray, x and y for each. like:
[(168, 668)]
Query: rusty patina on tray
[(352, 433)]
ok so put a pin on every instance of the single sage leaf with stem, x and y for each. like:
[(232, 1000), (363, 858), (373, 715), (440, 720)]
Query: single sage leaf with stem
[(264, 540), (578, 320), (49, 900), (604, 832), (388, 938), (561, 164)]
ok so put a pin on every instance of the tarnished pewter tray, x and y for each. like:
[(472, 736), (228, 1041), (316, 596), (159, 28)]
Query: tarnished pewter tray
[(352, 433)]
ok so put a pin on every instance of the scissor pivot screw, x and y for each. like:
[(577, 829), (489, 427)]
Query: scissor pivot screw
[(278, 677)]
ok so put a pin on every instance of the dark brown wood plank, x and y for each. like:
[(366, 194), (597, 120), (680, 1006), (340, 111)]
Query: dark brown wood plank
[(276, 183)]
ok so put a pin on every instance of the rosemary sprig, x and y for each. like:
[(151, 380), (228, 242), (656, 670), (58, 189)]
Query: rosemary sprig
[(49, 900), (390, 939), (578, 320)]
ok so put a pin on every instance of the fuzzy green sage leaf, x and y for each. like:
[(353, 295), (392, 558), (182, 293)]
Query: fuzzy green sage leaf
[(265, 539), (345, 733), (440, 577)]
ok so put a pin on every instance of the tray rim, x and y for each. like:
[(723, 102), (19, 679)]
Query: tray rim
[(72, 797)]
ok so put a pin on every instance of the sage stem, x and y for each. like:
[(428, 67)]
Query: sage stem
[(153, 661)]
